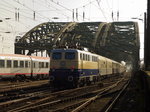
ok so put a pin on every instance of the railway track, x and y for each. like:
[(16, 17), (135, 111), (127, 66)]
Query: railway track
[(104, 102), (5, 88), (58, 101), (22, 90)]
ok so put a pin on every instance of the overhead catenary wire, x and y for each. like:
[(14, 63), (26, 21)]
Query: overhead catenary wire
[(66, 8), (56, 3), (12, 20), (10, 10), (33, 13), (16, 13), (101, 10), (48, 3), (44, 17), (118, 11), (28, 26)]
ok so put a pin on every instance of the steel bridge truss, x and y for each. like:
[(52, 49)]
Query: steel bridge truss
[(116, 40)]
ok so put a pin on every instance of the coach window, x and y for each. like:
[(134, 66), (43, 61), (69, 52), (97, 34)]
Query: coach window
[(81, 56), (8, 63), (46, 64), (42, 64), (92, 58), (88, 58), (96, 59), (26, 64), (22, 64), (70, 55), (2, 63), (29, 64), (33, 64), (56, 55), (15, 64)]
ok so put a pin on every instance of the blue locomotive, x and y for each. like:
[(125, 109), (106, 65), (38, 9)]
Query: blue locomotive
[(73, 67)]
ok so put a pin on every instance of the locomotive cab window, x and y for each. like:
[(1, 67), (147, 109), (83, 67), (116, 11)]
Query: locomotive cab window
[(2, 63), (70, 55), (56, 55)]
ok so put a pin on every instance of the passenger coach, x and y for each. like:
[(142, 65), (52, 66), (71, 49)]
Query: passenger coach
[(21, 66)]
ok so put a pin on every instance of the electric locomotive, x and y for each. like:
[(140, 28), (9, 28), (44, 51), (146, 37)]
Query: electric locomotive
[(73, 67)]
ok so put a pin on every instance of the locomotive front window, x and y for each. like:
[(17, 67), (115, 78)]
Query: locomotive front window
[(69, 55), (56, 55)]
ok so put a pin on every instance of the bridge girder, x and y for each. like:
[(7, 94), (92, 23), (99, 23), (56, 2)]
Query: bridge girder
[(81, 34), (121, 42), (39, 38), (116, 40)]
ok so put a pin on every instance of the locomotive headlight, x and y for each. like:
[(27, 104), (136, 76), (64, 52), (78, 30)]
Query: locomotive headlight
[(70, 78), (72, 68), (53, 69), (51, 78)]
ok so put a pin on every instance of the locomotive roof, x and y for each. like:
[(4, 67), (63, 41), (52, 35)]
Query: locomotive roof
[(65, 50), (69, 50), (73, 50), (77, 50)]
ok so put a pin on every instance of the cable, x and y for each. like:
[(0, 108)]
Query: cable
[(24, 24), (55, 8), (101, 9), (65, 8), (108, 5), (32, 10), (89, 3), (21, 14)]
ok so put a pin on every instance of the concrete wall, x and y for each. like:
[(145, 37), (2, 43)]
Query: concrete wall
[(6, 43)]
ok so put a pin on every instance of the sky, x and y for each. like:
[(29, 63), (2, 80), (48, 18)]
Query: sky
[(62, 10)]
